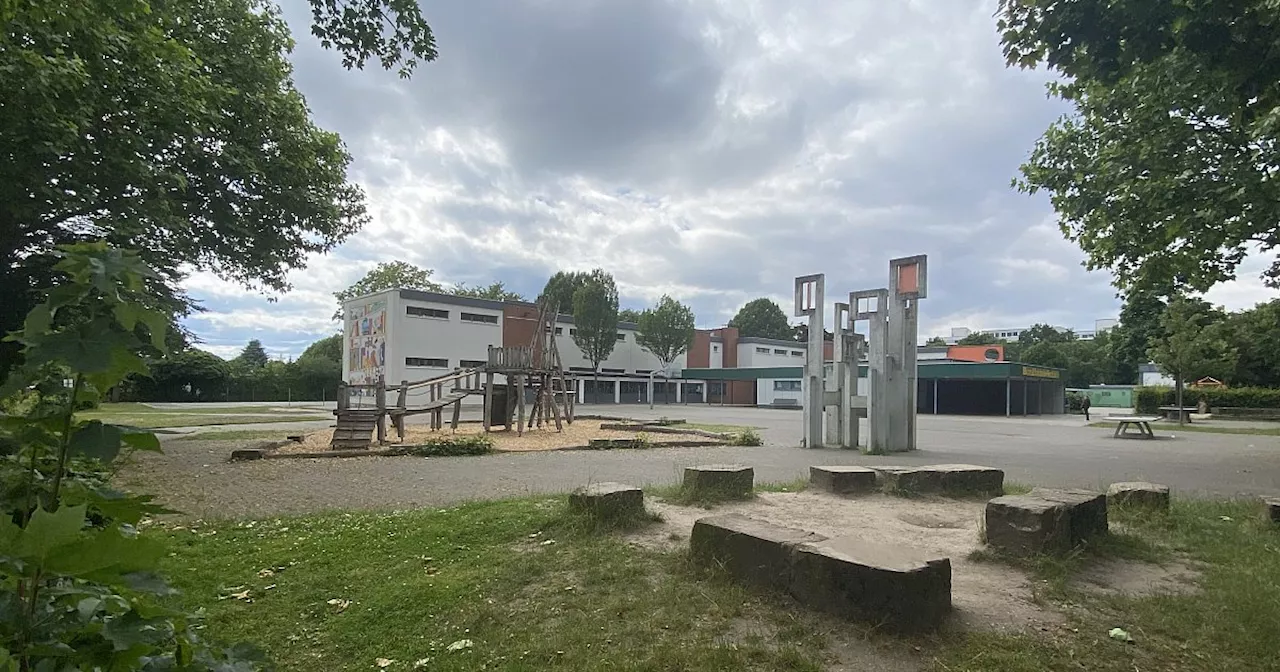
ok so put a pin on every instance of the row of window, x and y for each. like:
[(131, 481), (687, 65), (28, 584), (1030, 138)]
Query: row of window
[(439, 363), (780, 351), (419, 311), (786, 386), (574, 332)]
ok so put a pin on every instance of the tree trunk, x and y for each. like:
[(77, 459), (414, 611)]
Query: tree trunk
[(1178, 388), (595, 374)]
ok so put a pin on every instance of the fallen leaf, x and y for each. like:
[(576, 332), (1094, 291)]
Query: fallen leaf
[(383, 662), (242, 595), (421, 662), (269, 587), (460, 645), (1119, 634), (340, 603), (264, 573), (548, 542), (1225, 518)]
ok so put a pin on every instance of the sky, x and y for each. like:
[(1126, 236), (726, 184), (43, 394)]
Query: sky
[(709, 150)]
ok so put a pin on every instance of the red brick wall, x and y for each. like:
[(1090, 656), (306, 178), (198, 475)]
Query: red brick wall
[(699, 355), (518, 324)]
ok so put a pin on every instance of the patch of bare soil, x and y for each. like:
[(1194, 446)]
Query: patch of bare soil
[(545, 438), (985, 595), (1138, 579)]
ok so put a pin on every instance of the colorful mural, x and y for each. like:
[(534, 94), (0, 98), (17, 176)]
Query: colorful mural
[(366, 335)]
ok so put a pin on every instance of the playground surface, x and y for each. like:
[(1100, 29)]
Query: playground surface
[(574, 435), (195, 477)]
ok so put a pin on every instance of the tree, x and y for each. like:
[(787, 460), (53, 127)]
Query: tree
[(762, 318), (1132, 338), (935, 341), (328, 348), (666, 330), (1044, 333), (1166, 171), (630, 315), (1255, 334), (495, 291), (595, 320), (176, 127), (254, 356), (561, 288), (1192, 344), (388, 275), (189, 375), (979, 338)]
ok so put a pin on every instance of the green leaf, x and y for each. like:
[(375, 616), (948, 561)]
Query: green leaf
[(141, 440), (39, 319), (106, 555), (148, 582), (45, 533), (96, 440)]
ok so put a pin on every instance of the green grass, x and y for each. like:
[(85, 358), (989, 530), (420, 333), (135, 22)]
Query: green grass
[(712, 427), (1233, 623), (141, 415), (1207, 429), (534, 587), (524, 581), (238, 435), (1015, 488)]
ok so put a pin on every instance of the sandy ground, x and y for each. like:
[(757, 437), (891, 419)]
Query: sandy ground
[(546, 438), (986, 595)]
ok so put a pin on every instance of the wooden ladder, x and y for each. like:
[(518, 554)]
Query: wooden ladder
[(355, 428)]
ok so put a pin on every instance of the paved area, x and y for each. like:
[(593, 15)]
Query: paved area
[(195, 477)]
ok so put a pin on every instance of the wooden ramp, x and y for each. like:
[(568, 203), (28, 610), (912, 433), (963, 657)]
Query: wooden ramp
[(355, 428)]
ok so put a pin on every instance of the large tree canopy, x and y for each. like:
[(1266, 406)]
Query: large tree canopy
[(762, 318), (1166, 172), (388, 275), (174, 127)]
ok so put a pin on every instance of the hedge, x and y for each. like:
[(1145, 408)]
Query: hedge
[(1150, 399)]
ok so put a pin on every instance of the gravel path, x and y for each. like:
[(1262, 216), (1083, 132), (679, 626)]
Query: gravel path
[(193, 476)]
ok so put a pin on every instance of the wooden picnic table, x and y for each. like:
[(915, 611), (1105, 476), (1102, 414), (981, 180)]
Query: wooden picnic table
[(1142, 422), (1176, 411)]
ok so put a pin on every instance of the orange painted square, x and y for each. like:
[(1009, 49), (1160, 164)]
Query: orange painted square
[(909, 278)]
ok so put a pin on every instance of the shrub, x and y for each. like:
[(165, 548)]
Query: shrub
[(452, 446), (1075, 402), (1149, 399), (747, 437)]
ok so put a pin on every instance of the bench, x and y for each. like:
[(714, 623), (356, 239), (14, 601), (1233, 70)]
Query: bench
[(1142, 422), (1182, 413)]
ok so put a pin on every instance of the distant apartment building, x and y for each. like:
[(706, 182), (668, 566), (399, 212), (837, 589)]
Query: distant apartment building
[(1012, 333)]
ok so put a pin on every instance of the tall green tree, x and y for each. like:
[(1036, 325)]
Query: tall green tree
[(388, 275), (935, 341), (189, 375), (328, 348), (1139, 327), (1165, 172), (595, 320), (175, 127), (666, 330), (630, 315), (561, 288), (495, 291), (762, 318), (254, 356), (1192, 345), (1255, 334)]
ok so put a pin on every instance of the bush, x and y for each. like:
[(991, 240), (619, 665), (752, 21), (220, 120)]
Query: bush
[(747, 437), (1149, 399), (1075, 402), (452, 446)]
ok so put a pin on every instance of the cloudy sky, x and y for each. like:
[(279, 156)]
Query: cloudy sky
[(711, 150)]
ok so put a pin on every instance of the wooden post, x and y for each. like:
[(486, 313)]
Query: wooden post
[(381, 396), (402, 401), (509, 403), (488, 399), (344, 396), (457, 409), (555, 404), (520, 405)]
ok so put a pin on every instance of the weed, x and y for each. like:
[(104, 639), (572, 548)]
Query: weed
[(450, 446), (746, 437)]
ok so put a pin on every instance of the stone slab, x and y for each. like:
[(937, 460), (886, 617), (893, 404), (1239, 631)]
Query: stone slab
[(726, 480), (894, 586), (608, 500), (242, 454), (754, 551), (1271, 510), (843, 480), (1024, 525), (1086, 509), (951, 479), (1140, 494)]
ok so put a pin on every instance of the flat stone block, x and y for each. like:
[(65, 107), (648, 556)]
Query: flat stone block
[(608, 500), (900, 588), (953, 479), (1271, 510), (724, 480), (751, 550), (1086, 509), (843, 480), (242, 454), (1139, 493), (1026, 525)]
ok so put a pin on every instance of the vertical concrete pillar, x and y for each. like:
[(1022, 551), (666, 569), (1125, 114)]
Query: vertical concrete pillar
[(679, 391), (871, 305), (617, 392), (907, 285), (1008, 398), (935, 396), (809, 298)]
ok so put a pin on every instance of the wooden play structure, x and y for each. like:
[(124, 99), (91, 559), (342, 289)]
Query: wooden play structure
[(535, 367)]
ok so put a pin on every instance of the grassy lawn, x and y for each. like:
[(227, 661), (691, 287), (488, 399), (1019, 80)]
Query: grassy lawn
[(141, 415), (522, 585), (1207, 429)]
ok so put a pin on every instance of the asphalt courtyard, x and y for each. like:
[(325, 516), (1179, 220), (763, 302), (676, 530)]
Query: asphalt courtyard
[(195, 477)]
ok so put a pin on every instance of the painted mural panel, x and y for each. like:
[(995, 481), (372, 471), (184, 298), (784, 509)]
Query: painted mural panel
[(366, 335)]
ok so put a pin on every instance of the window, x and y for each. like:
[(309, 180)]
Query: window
[(644, 372), (779, 352), (416, 311), (715, 348), (427, 361), (559, 330), (622, 337), (476, 317), (797, 353), (762, 351), (471, 363), (573, 332), (604, 370), (786, 386)]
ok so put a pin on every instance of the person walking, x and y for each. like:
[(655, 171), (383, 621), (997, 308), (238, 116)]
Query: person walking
[(1084, 405)]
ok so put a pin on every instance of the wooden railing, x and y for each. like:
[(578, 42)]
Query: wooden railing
[(511, 357)]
